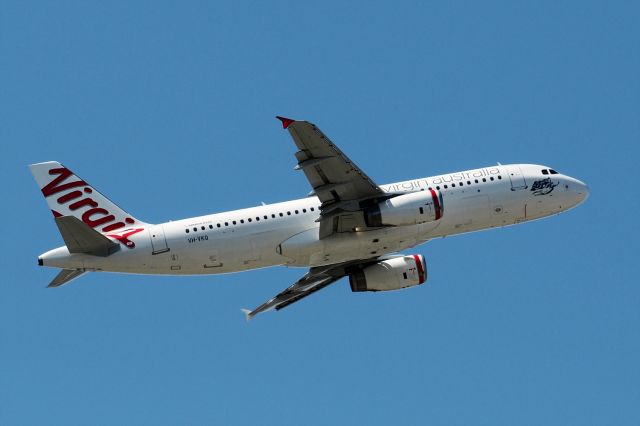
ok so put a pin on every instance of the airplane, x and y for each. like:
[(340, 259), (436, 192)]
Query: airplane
[(348, 225)]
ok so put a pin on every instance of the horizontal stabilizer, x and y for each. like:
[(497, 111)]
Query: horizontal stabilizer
[(65, 276), (81, 238)]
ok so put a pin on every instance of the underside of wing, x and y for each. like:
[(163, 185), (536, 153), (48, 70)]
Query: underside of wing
[(332, 175), (342, 187), (304, 287), (316, 279)]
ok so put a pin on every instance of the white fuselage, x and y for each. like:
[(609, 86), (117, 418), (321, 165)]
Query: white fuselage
[(288, 233)]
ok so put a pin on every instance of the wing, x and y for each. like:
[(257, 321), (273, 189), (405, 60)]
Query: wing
[(316, 279), (304, 287), (332, 175), (338, 182)]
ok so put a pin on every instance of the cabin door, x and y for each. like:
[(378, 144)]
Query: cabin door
[(516, 177), (158, 240)]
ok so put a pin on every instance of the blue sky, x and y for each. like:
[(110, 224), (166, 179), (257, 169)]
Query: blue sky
[(168, 109)]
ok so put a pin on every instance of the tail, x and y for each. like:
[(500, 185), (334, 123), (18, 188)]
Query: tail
[(68, 195)]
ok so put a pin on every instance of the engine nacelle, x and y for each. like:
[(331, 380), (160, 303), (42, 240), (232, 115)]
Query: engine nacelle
[(391, 274), (407, 209)]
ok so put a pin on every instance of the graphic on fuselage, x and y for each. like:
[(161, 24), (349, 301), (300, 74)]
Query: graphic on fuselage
[(417, 184), (543, 186), (123, 236)]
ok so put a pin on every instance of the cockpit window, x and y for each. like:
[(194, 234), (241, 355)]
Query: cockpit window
[(545, 172), (553, 172)]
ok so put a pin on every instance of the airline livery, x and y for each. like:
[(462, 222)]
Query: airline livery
[(348, 226)]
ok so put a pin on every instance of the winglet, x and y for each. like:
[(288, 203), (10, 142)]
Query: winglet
[(286, 122), (247, 314)]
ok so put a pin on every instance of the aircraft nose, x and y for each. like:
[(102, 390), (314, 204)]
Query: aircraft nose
[(580, 189), (583, 190)]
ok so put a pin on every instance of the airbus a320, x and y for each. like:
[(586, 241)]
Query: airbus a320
[(348, 226)]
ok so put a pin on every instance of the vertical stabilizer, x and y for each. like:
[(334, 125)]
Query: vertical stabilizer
[(68, 195)]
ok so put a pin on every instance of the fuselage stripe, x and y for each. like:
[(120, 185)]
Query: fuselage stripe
[(420, 268), (436, 203)]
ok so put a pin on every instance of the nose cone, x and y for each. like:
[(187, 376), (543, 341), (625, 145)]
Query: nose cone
[(579, 190), (582, 190)]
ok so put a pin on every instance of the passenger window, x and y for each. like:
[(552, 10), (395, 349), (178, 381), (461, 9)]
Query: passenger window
[(311, 208), (453, 185), (484, 179), (265, 217), (273, 216), (288, 213), (210, 226), (476, 181), (304, 210), (195, 229), (499, 177), (438, 188), (281, 215), (249, 219), (491, 178), (186, 230), (468, 182), (445, 187), (241, 220), (234, 222), (218, 225), (297, 212)]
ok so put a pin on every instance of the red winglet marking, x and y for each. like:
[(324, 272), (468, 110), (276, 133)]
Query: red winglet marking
[(286, 122)]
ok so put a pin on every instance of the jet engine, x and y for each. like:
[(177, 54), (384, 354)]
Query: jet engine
[(390, 274), (407, 209)]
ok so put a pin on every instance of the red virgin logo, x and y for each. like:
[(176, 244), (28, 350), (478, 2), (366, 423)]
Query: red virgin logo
[(76, 196)]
